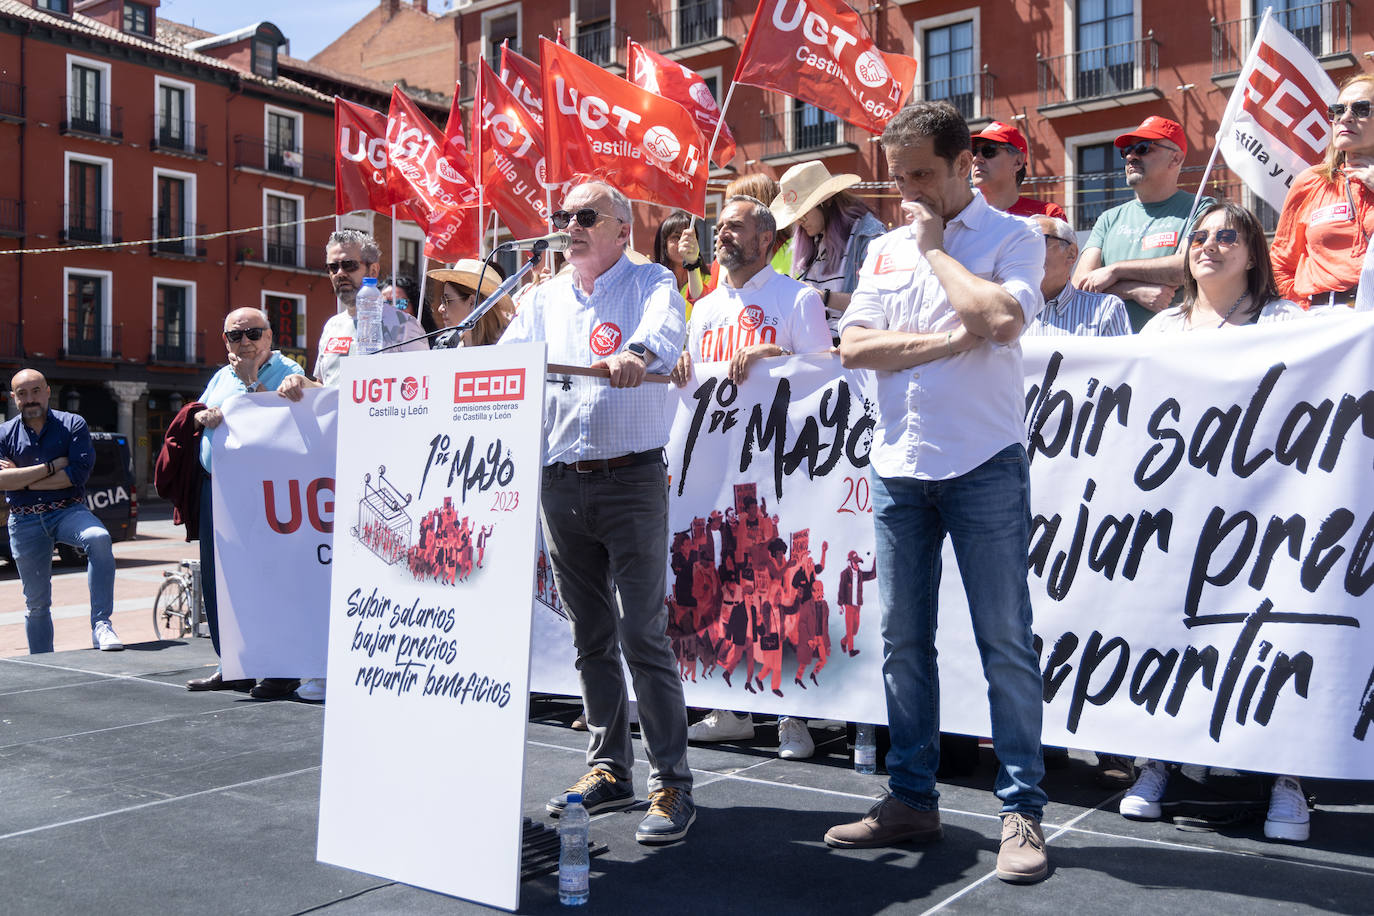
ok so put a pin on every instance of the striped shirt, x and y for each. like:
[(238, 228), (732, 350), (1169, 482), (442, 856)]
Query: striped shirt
[(1078, 313), (585, 418)]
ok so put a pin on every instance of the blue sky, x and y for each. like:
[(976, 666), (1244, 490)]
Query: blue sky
[(309, 25)]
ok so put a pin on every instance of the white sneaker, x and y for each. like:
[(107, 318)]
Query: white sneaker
[(794, 739), (1141, 801), (103, 638), (722, 725), (1287, 818), (311, 689)]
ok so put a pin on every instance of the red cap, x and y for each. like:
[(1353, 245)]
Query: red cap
[(998, 132), (1155, 128)]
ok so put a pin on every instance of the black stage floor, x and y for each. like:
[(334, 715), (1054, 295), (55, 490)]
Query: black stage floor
[(120, 792)]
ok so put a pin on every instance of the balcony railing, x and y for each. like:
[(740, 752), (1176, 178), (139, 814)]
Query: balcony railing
[(11, 100), (87, 339), (11, 217), (92, 224), (176, 238), (1105, 72), (92, 119), (1323, 28), (805, 137), (602, 43), (972, 93), (274, 252), (176, 345), (11, 340), (172, 135), (696, 23), (255, 153)]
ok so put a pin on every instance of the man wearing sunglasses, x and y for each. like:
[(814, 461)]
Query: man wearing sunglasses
[(253, 366), (1000, 154), (605, 500), (1135, 250)]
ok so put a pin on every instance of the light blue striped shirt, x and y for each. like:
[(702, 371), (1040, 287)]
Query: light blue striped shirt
[(1078, 313), (585, 418)]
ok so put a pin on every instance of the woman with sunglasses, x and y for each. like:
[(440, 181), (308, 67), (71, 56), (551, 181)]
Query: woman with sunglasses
[(457, 297), (1328, 216), (676, 248), (403, 293)]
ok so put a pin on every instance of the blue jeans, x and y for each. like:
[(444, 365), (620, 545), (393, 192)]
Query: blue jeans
[(32, 538), (986, 513)]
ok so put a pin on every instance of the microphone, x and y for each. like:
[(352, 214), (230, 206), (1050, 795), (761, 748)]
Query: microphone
[(554, 241)]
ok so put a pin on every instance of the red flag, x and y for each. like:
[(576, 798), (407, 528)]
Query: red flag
[(522, 76), (671, 80), (818, 51), (434, 190), (360, 173), (510, 156), (598, 124)]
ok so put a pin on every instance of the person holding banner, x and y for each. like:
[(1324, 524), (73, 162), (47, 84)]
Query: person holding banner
[(605, 501), (1134, 250), (457, 296), (1328, 216), (937, 317)]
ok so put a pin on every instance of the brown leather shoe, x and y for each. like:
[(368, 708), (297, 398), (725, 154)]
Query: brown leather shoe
[(889, 821), (216, 681), (1021, 858), (1115, 772)]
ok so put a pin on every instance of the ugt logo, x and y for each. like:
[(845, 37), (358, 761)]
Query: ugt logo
[(377, 390)]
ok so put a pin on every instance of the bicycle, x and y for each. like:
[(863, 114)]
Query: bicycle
[(179, 608)]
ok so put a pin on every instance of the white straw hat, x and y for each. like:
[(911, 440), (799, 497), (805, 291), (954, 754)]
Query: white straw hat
[(804, 186)]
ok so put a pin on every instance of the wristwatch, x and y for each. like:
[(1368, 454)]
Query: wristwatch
[(638, 349)]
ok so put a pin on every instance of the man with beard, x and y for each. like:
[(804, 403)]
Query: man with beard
[(1134, 251), (45, 459), (754, 313)]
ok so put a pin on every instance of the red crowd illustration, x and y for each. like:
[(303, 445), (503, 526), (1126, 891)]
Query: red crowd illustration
[(446, 548)]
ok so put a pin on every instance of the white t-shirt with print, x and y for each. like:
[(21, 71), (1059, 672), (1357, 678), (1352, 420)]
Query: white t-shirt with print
[(770, 308), (339, 339)]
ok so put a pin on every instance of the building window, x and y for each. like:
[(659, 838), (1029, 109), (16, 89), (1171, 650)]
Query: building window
[(173, 127), (56, 6), (283, 143), (264, 58), (85, 314), (286, 317), (1101, 184), (172, 215), (595, 41), (86, 99), (138, 18), (282, 241), (813, 127), (949, 66), (88, 216), (697, 21), (1301, 17), (501, 26), (173, 331), (1106, 51), (408, 258)]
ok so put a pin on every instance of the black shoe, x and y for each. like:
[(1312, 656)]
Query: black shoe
[(813, 679), (274, 688), (749, 686), (799, 683), (216, 681), (600, 791), (726, 675), (777, 691)]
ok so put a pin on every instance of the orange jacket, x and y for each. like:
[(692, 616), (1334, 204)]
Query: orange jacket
[(1320, 245)]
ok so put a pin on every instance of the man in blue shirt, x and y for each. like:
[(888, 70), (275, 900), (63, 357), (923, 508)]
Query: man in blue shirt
[(605, 500), (45, 459)]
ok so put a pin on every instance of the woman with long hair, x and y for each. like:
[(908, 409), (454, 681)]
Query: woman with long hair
[(1328, 216), (458, 295), (676, 248)]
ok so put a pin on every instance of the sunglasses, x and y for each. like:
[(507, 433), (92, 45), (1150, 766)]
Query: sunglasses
[(1223, 236), (346, 266), (1359, 109), (991, 150), (401, 303), (1143, 147), (586, 218), (463, 293), (238, 334)]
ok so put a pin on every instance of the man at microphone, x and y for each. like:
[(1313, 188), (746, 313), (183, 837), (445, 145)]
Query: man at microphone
[(605, 500)]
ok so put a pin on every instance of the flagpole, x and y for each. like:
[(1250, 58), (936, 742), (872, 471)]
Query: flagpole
[(395, 244), (481, 219), (710, 147)]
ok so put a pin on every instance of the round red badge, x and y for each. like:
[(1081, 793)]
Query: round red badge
[(750, 317), (605, 338)]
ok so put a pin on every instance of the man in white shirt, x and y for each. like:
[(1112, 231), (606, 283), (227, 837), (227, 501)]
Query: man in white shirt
[(939, 309), (754, 313)]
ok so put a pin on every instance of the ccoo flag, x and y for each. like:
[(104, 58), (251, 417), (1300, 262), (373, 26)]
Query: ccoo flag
[(1275, 123), (818, 51)]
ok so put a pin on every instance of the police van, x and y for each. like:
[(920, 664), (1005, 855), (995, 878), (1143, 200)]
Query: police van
[(110, 494)]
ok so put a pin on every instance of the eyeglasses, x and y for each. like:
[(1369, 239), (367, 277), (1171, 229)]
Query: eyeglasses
[(346, 266), (1359, 109), (586, 218), (1055, 238), (991, 150), (1223, 236), (238, 334), (1143, 147), (401, 303), (463, 293)]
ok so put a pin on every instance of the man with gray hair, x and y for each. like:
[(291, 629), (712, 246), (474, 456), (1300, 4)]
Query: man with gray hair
[(605, 501), (1070, 311)]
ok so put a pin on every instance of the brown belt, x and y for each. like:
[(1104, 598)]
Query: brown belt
[(652, 456), (46, 507)]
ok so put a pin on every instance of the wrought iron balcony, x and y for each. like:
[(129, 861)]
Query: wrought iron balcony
[(173, 135), (100, 341), (1323, 28), (11, 217), (97, 120), (176, 345), (11, 101), (176, 238), (1101, 77), (602, 43), (971, 93), (257, 153), (91, 224), (695, 27)]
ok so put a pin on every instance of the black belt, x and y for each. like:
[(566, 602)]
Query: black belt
[(652, 456), (1336, 297)]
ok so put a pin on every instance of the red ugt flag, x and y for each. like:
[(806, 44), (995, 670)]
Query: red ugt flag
[(510, 156), (360, 173), (648, 147), (522, 76), (434, 191), (818, 51), (671, 80)]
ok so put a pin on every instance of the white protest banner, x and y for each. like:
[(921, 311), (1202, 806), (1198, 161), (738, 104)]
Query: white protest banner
[(1275, 123), (438, 490), (273, 488)]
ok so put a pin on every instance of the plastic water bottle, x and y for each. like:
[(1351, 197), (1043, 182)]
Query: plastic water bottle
[(368, 307), (574, 865), (865, 748)]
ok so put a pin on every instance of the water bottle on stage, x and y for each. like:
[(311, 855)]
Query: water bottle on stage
[(574, 862), (865, 748), (369, 311)]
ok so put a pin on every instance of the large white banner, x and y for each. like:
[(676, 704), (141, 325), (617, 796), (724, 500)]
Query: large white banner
[(273, 487), (1201, 556), (438, 492)]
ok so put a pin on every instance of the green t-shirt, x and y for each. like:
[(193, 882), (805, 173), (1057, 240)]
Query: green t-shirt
[(1136, 231)]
